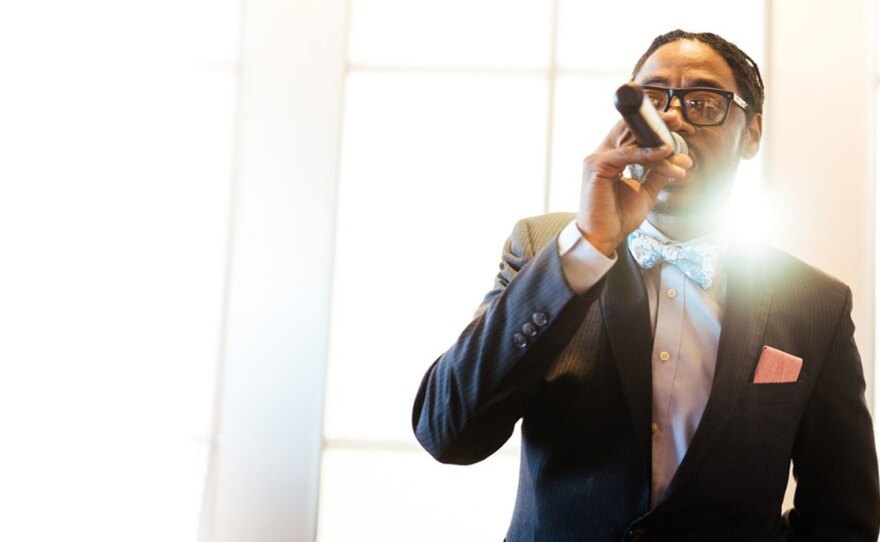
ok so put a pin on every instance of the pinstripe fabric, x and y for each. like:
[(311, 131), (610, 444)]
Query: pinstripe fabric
[(582, 386)]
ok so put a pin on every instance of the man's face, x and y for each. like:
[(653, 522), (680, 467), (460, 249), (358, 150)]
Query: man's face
[(715, 150)]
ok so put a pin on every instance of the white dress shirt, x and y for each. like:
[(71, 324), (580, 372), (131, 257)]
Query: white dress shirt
[(686, 321)]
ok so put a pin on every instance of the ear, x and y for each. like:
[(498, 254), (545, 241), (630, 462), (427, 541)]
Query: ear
[(752, 136)]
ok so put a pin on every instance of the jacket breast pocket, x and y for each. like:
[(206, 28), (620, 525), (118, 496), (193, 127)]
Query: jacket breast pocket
[(773, 394)]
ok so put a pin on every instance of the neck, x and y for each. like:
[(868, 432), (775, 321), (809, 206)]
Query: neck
[(685, 228)]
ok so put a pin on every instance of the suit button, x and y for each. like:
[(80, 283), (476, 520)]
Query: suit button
[(636, 534), (540, 318), (529, 329), (519, 340)]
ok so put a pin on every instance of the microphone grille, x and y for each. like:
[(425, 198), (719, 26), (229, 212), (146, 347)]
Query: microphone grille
[(678, 144)]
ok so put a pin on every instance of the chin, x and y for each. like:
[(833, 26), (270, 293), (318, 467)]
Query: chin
[(686, 203), (677, 200), (696, 195)]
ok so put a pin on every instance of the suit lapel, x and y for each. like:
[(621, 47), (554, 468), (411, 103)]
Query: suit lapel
[(745, 317), (627, 321)]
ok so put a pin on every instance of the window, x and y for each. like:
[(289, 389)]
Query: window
[(459, 118)]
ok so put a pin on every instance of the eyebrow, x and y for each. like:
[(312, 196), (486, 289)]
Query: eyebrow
[(702, 82)]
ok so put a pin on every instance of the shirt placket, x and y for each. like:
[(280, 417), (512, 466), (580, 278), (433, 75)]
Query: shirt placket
[(665, 361)]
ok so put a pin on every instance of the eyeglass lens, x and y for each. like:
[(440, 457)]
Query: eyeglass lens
[(701, 107)]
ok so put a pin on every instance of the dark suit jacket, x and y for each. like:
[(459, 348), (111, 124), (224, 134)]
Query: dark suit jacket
[(582, 386)]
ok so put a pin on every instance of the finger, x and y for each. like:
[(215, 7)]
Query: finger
[(654, 184), (611, 162), (682, 160), (667, 173), (655, 179), (615, 137), (625, 137), (675, 166), (666, 169)]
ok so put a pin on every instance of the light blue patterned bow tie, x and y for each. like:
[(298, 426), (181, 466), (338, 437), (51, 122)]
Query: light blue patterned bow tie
[(696, 259)]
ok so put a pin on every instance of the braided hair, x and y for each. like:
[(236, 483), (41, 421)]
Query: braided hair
[(745, 70)]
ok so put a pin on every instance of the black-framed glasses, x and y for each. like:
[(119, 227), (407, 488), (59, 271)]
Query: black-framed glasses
[(699, 106)]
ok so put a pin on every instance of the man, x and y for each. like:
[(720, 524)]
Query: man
[(666, 378)]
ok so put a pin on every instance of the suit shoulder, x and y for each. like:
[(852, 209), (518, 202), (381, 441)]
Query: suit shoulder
[(541, 229), (793, 275)]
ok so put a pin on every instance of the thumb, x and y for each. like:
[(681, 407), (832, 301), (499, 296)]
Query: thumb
[(633, 154)]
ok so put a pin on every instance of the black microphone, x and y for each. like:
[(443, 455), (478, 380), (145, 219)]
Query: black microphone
[(644, 121)]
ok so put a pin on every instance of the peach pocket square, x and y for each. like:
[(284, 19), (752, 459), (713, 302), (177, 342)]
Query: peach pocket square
[(777, 367)]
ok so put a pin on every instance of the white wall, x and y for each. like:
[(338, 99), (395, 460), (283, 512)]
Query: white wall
[(115, 151), (265, 474), (819, 144)]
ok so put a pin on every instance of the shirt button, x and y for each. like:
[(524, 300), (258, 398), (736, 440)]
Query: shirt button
[(654, 428), (671, 293), (664, 356), (519, 340)]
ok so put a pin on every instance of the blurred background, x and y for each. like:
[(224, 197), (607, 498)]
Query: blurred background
[(235, 233)]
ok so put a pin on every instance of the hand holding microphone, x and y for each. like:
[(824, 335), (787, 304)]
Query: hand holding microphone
[(611, 205)]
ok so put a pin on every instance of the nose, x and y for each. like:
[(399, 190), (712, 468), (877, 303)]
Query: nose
[(674, 101), (674, 117)]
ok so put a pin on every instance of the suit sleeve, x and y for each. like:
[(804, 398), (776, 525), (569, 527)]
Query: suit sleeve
[(835, 462), (471, 397)]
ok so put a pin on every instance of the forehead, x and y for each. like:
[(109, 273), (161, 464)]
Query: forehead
[(686, 63)]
